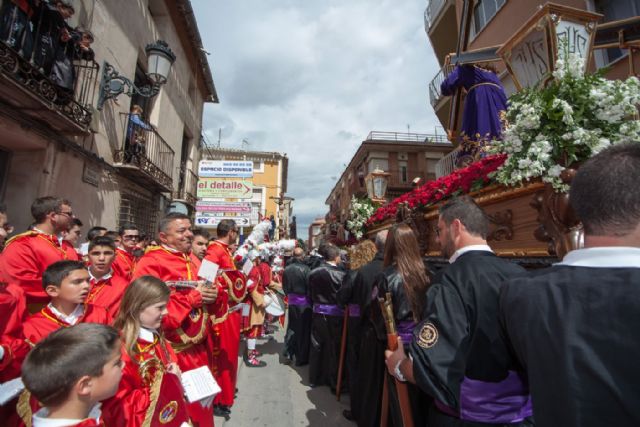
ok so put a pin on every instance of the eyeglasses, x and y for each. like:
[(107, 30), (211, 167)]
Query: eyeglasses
[(131, 237), (8, 228), (69, 214)]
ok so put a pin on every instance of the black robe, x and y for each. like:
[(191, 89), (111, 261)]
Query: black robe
[(460, 355), (295, 280), (367, 392), (574, 330), (346, 298), (326, 330)]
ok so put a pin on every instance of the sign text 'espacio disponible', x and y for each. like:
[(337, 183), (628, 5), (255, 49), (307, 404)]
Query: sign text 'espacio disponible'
[(225, 188), (225, 169)]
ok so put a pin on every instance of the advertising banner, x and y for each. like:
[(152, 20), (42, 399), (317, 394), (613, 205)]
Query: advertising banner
[(225, 169), (225, 188)]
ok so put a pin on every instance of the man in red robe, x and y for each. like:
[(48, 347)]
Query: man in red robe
[(27, 255), (186, 326), (228, 341), (125, 261), (107, 289)]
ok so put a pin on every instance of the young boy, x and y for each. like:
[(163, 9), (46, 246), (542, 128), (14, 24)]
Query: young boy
[(67, 284), (70, 372), (106, 288)]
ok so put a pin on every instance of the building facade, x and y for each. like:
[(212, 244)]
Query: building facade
[(315, 233), (493, 22), (112, 167), (405, 156), (270, 171)]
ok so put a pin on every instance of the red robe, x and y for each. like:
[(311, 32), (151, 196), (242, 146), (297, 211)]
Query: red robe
[(14, 311), (130, 407), (225, 343), (265, 273), (41, 324), (27, 255), (186, 326), (108, 293), (124, 264)]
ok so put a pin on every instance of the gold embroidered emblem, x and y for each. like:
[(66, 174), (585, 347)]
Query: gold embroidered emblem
[(428, 336), (238, 285), (195, 314), (169, 412)]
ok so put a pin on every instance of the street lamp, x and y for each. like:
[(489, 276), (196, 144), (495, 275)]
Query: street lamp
[(554, 30), (376, 183), (159, 61)]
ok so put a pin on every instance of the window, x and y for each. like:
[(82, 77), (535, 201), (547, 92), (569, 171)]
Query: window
[(256, 205), (483, 11), (614, 10), (140, 210), (141, 80), (258, 166), (403, 171), (378, 163)]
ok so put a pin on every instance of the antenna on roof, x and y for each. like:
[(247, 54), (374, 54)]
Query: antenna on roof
[(219, 136), (244, 142)]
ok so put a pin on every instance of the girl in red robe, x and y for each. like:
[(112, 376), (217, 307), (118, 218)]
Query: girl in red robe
[(150, 391)]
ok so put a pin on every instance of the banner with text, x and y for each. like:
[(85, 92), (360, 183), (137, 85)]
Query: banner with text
[(225, 188), (225, 169), (203, 220), (224, 207)]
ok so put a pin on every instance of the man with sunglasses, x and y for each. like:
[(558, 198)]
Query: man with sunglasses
[(125, 252), (28, 254)]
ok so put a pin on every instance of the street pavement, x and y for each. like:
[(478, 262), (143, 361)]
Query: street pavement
[(279, 394)]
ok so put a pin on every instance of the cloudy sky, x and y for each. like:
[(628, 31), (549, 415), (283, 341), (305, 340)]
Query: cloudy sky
[(311, 78)]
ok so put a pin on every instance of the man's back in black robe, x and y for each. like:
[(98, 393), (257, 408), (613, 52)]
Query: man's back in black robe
[(326, 330), (295, 280), (573, 329), (461, 357)]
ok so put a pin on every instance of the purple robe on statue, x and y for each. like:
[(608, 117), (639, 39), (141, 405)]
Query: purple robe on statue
[(482, 106)]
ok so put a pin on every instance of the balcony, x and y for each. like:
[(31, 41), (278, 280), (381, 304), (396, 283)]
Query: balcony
[(435, 95), (447, 164), (407, 137), (431, 13), (145, 156), (188, 187), (46, 74), (441, 26)]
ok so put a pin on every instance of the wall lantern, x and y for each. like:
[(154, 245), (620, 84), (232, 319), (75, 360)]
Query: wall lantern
[(159, 61), (376, 183), (531, 54)]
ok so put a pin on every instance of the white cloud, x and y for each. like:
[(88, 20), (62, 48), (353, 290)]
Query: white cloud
[(312, 78)]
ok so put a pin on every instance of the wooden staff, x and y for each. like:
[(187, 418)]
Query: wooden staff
[(386, 305), (384, 410), (343, 348)]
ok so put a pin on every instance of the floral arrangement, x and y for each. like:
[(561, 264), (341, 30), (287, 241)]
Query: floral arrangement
[(359, 211), (571, 119), (461, 181)]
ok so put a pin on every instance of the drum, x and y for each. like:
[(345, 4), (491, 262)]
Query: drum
[(274, 303)]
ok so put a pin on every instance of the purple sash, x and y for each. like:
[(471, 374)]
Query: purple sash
[(354, 310), (405, 330), (505, 402), (328, 309), (299, 300)]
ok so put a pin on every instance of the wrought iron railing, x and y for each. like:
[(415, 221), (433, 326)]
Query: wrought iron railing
[(407, 137), (188, 188), (447, 164), (50, 61), (144, 148), (434, 7), (434, 87)]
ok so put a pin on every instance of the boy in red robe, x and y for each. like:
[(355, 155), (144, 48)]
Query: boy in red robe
[(106, 288), (27, 255), (186, 326), (125, 260), (70, 372), (67, 284)]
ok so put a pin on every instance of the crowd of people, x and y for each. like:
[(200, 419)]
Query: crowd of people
[(481, 341), (106, 333), (168, 319)]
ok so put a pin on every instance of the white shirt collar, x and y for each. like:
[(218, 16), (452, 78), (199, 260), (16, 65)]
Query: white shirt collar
[(41, 418), (71, 319), (146, 334), (175, 251), (105, 277), (603, 257), (466, 249)]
